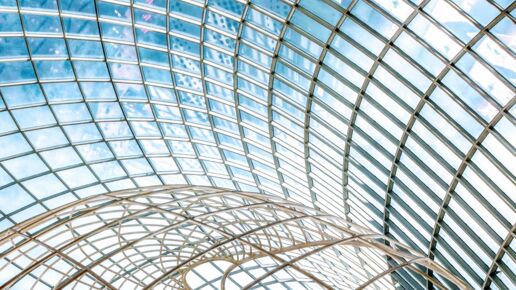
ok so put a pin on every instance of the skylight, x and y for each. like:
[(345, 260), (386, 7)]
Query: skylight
[(397, 115)]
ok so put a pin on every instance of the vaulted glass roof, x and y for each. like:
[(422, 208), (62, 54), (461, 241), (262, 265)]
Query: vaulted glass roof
[(397, 115)]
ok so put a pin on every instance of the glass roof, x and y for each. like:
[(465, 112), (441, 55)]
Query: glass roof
[(397, 115)]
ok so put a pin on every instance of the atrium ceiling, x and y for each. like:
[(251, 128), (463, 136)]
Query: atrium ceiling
[(395, 115)]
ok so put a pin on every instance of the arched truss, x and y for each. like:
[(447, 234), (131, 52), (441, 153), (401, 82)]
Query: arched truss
[(395, 114), (151, 238)]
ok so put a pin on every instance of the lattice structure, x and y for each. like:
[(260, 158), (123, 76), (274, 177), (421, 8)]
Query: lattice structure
[(395, 114), (151, 238)]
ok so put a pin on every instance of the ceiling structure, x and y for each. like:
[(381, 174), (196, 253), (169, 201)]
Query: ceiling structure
[(161, 238), (395, 115)]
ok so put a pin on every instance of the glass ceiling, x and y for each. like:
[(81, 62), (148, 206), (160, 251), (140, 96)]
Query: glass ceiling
[(397, 115)]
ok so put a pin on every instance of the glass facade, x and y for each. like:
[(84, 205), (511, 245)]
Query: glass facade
[(396, 115)]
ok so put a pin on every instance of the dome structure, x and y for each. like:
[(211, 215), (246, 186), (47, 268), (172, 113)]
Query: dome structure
[(394, 115), (159, 237)]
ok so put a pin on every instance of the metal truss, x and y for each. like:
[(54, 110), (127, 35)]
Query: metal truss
[(152, 238)]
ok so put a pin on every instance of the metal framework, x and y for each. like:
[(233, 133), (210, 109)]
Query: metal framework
[(152, 238), (397, 115)]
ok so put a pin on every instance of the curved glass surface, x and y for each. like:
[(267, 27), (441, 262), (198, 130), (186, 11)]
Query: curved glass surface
[(397, 115)]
